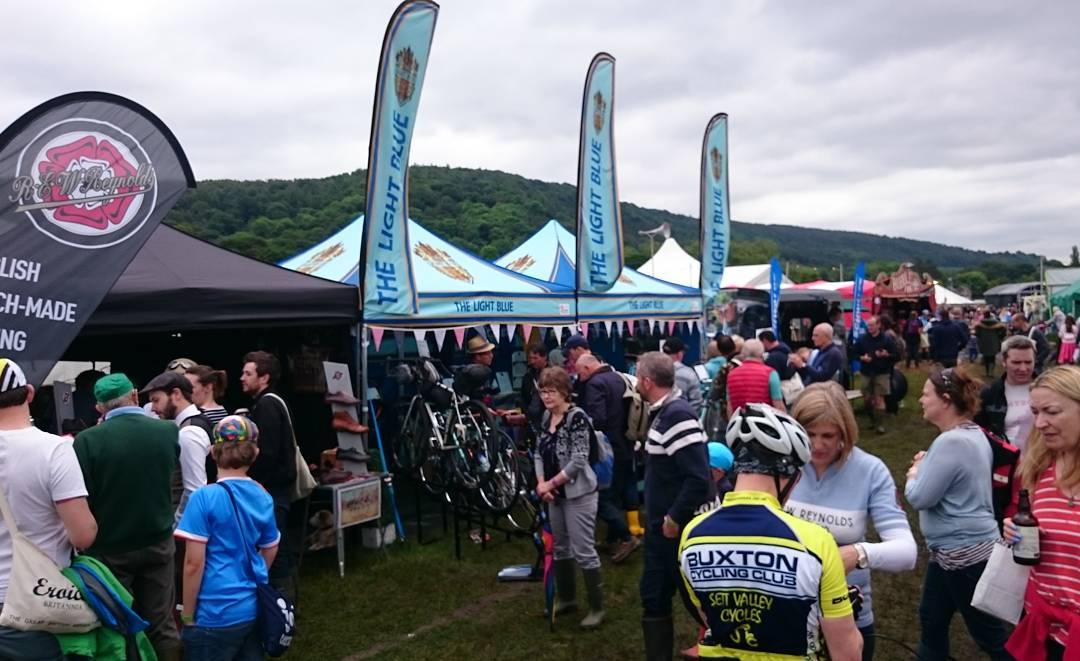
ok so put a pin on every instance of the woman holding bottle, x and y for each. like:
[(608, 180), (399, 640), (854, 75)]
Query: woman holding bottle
[(1050, 473)]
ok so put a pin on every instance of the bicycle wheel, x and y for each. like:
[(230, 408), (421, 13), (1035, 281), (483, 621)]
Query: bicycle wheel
[(465, 451), (499, 489), (429, 467)]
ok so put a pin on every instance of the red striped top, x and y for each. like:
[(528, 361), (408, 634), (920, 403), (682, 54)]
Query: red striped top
[(1057, 575)]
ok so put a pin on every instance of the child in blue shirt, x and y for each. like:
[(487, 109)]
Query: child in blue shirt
[(227, 549)]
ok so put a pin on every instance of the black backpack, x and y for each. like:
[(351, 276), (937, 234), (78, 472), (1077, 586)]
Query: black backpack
[(1006, 456), (203, 423)]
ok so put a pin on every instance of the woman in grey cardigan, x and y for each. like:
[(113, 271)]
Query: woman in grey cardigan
[(950, 486), (566, 482)]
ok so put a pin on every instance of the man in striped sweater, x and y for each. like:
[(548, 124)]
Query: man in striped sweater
[(676, 484)]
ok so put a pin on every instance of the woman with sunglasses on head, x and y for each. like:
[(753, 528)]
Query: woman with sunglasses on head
[(566, 481), (1050, 471), (843, 489), (950, 486)]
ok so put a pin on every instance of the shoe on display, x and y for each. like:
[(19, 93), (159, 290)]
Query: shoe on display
[(340, 398), (351, 454), (343, 421)]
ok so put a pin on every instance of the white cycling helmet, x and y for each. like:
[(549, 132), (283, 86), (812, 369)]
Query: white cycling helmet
[(767, 440)]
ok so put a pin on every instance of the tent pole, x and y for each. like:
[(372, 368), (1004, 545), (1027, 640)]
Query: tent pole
[(361, 348)]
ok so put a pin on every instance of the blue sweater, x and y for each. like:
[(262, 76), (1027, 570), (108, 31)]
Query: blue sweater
[(676, 463), (952, 490)]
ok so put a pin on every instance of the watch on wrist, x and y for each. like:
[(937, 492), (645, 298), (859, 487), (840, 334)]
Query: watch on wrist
[(862, 561)]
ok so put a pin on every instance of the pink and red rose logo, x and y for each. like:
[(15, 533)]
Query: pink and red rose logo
[(79, 159)]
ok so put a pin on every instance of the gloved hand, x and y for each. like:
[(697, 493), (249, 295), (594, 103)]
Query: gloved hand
[(855, 595)]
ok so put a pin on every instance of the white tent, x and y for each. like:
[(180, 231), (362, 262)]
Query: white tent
[(943, 296), (673, 264)]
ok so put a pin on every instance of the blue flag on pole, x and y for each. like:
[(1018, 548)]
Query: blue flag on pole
[(776, 276), (599, 221), (856, 305), (715, 206), (387, 282)]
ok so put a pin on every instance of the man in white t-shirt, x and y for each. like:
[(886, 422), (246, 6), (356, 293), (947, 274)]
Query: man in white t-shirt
[(1006, 403), (44, 488)]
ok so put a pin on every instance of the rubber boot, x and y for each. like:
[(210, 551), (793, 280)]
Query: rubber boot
[(659, 638), (633, 521), (594, 590), (565, 587)]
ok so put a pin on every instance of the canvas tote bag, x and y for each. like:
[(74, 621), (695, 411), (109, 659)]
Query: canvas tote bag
[(39, 597), (305, 482)]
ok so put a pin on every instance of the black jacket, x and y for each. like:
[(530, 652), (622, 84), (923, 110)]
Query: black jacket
[(994, 407), (868, 344), (603, 401), (947, 339), (275, 468), (777, 358), (530, 397)]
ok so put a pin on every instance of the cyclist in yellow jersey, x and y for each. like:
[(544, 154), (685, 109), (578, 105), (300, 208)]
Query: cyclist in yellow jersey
[(769, 586)]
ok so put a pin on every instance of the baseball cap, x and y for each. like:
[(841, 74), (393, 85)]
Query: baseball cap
[(112, 386), (576, 342), (11, 375), (720, 456), (166, 381), (236, 429)]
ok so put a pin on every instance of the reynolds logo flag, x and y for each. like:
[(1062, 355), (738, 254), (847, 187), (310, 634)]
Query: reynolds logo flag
[(715, 206), (387, 282), (85, 179), (857, 296), (776, 276), (599, 221)]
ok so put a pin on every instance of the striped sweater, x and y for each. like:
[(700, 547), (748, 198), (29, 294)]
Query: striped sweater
[(1057, 576), (676, 463)]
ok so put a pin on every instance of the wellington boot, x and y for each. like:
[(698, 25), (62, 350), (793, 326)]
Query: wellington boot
[(565, 586), (595, 592), (659, 638), (633, 520)]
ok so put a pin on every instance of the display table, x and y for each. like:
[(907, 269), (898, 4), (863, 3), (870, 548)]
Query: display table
[(352, 503)]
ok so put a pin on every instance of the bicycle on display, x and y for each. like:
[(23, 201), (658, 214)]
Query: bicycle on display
[(449, 441)]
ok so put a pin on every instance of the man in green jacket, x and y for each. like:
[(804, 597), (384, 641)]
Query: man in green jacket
[(128, 462)]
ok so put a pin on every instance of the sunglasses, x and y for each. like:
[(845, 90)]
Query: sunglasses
[(183, 364)]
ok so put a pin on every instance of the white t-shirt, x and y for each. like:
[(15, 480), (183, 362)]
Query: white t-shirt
[(37, 470), (1018, 419), (194, 446)]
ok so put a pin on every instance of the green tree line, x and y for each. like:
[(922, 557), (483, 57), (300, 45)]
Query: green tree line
[(490, 213)]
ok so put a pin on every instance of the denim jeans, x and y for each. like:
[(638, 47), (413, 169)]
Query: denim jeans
[(660, 576), (235, 643), (944, 593), (18, 645), (868, 641)]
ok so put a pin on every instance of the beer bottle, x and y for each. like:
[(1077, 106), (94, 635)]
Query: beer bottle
[(1026, 551)]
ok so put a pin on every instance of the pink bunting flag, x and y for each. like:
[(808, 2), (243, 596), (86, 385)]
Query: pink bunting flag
[(459, 335), (376, 336), (526, 332), (584, 328)]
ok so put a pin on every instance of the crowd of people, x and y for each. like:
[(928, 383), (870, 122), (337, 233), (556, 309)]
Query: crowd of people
[(768, 546), (755, 507), (184, 505)]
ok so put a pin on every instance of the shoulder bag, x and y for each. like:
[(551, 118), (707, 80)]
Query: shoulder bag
[(274, 614), (305, 482), (39, 597)]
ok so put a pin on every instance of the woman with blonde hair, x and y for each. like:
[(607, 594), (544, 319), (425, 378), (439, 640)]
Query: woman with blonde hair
[(842, 489), (1050, 471)]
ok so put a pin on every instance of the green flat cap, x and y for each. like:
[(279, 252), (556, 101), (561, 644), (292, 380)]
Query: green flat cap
[(112, 386)]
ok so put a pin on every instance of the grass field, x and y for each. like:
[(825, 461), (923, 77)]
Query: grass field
[(418, 602)]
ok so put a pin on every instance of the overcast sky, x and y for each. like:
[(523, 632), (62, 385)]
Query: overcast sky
[(957, 122)]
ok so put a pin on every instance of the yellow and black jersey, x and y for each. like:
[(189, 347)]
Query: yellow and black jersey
[(762, 578)]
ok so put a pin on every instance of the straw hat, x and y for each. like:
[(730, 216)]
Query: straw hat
[(478, 344)]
